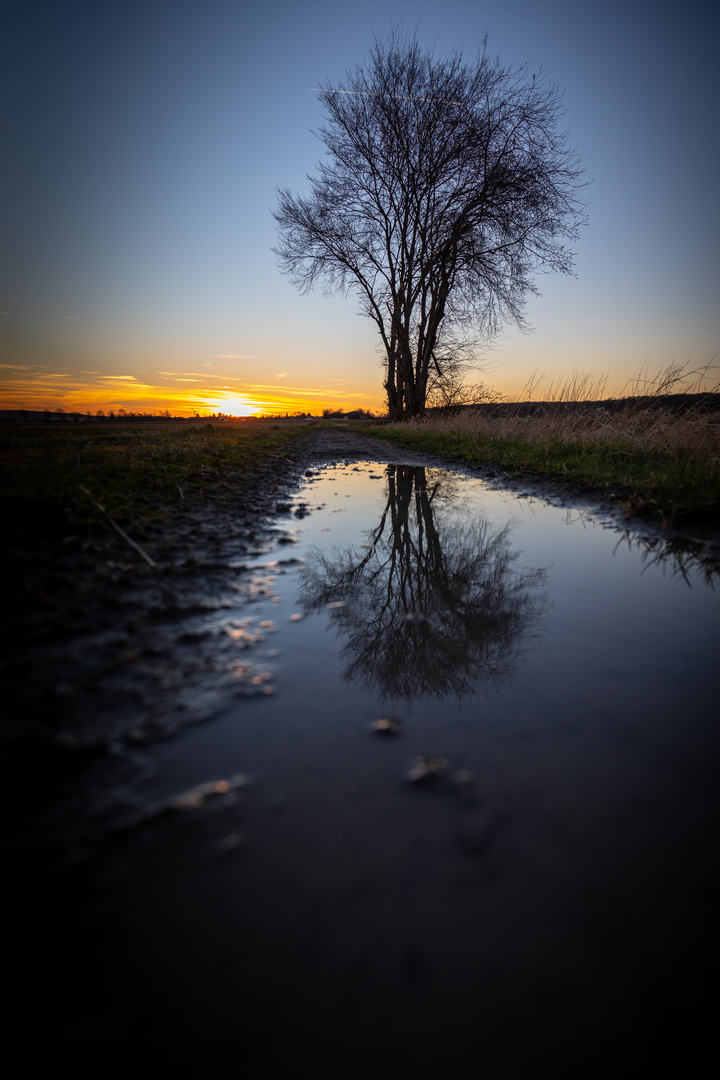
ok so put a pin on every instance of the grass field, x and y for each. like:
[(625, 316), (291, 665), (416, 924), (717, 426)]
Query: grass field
[(70, 478)]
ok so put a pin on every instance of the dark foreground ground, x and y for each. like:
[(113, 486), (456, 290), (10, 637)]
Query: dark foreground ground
[(153, 941)]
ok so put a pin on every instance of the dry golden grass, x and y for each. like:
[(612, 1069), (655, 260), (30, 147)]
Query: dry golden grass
[(645, 418), (693, 434)]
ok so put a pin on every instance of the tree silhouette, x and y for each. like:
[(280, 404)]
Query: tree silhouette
[(448, 186), (433, 605)]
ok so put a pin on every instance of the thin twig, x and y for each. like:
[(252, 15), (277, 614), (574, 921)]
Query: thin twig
[(113, 522)]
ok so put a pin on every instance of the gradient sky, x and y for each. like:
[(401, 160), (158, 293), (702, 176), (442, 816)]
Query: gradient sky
[(143, 143)]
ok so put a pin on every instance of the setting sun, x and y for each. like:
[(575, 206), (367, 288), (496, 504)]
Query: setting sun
[(233, 406)]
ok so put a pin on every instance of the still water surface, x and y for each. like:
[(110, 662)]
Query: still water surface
[(432, 597), (538, 906)]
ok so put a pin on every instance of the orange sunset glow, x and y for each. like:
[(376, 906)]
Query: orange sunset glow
[(36, 388)]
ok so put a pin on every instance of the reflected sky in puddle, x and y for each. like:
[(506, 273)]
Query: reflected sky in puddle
[(480, 617)]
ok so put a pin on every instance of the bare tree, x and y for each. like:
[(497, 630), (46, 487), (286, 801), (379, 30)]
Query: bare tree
[(453, 393), (447, 186)]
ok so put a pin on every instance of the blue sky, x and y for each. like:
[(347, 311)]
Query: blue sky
[(143, 143)]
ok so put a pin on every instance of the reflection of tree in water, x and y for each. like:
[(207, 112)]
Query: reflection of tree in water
[(678, 556), (433, 604)]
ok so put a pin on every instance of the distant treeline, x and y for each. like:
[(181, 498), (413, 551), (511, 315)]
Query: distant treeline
[(60, 416)]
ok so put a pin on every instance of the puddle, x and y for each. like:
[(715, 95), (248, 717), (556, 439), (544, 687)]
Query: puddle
[(476, 801), (436, 595)]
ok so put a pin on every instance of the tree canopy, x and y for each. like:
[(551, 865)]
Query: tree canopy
[(447, 186)]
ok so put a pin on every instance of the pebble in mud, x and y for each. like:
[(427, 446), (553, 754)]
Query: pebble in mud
[(427, 770), (386, 725), (192, 799)]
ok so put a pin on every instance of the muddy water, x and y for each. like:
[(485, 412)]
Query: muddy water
[(511, 875)]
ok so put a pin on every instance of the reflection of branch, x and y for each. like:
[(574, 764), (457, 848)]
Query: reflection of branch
[(458, 575), (677, 554)]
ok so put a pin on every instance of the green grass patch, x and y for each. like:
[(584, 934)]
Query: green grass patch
[(53, 476), (662, 485)]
